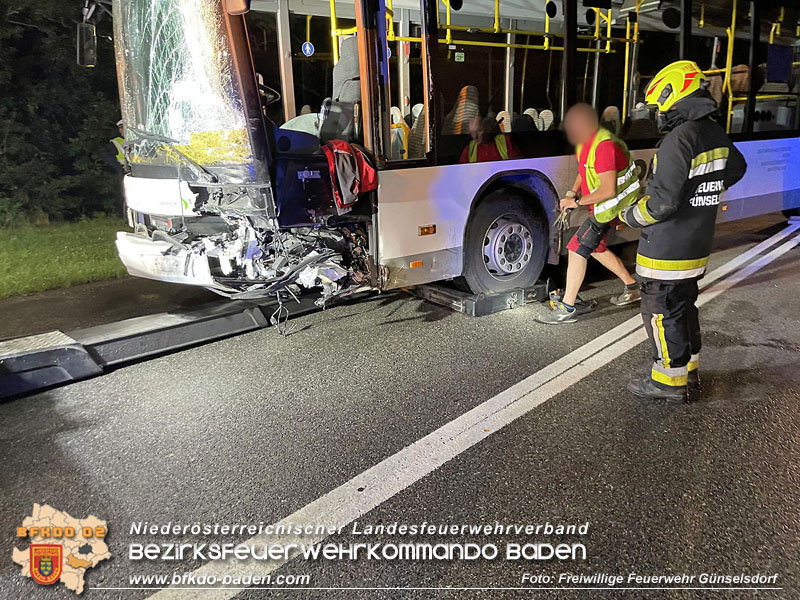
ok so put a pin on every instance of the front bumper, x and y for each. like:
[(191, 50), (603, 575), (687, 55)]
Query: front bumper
[(162, 261)]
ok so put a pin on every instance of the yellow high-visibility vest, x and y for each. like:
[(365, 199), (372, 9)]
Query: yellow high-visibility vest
[(118, 141), (499, 141), (627, 179)]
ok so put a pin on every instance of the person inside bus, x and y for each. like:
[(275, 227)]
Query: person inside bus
[(607, 182), (488, 143)]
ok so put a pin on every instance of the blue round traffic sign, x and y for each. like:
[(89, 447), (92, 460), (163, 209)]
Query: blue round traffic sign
[(308, 48)]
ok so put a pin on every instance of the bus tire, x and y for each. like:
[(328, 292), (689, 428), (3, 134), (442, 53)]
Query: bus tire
[(506, 244)]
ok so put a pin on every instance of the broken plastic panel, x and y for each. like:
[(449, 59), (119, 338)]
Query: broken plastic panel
[(247, 262)]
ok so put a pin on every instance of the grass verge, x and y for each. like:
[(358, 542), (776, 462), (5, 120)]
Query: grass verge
[(33, 259)]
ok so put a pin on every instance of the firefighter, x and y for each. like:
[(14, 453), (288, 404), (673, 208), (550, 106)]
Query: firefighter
[(115, 155), (694, 163), (608, 181)]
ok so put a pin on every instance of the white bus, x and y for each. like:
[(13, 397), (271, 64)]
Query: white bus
[(228, 102)]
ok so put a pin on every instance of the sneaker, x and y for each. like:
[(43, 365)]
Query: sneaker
[(581, 305), (645, 388), (627, 297), (559, 314)]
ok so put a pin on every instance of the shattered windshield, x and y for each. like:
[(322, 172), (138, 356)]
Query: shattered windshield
[(177, 80)]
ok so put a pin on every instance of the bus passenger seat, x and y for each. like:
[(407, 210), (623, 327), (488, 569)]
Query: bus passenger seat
[(715, 87), (465, 109), (400, 135), (740, 79), (642, 123), (610, 119), (504, 121), (523, 123), (397, 116), (339, 123), (534, 116), (416, 139), (547, 119)]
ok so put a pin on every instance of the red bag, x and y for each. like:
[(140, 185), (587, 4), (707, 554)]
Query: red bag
[(351, 173)]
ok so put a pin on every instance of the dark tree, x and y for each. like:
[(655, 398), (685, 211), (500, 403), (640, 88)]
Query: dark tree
[(55, 117)]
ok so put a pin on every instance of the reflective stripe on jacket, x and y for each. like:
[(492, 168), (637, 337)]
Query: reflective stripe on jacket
[(499, 141), (696, 163), (627, 180)]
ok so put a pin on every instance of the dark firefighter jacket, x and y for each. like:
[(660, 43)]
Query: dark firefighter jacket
[(695, 162)]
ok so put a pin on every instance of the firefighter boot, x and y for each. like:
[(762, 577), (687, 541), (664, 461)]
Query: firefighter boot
[(645, 388), (693, 379)]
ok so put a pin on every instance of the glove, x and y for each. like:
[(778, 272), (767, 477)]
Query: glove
[(623, 216), (562, 222)]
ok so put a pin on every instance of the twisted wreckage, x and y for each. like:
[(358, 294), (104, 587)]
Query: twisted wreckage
[(219, 196), (224, 242)]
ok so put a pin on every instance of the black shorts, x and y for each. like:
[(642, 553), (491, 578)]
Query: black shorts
[(589, 237)]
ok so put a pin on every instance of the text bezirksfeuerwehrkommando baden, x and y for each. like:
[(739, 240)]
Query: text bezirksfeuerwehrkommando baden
[(283, 541)]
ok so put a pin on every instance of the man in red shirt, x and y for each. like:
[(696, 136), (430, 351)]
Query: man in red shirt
[(488, 143), (610, 161)]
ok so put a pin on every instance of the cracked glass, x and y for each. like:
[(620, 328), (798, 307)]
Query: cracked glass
[(177, 80)]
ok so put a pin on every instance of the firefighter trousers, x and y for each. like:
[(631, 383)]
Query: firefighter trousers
[(671, 321)]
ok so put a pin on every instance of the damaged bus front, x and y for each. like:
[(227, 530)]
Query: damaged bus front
[(203, 183)]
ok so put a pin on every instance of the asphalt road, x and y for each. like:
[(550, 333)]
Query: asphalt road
[(254, 428), (97, 303)]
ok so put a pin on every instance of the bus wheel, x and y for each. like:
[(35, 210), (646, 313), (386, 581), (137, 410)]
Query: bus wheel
[(506, 244), (791, 212)]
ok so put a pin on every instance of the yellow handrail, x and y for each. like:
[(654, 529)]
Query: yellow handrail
[(390, 18), (729, 66), (546, 31), (495, 29), (767, 97), (334, 33)]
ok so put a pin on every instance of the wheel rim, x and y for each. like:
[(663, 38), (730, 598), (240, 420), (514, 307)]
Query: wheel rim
[(507, 247)]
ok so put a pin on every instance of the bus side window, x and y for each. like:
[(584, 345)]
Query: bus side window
[(470, 82), (406, 115)]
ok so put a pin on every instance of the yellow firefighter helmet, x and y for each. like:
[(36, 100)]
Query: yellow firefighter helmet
[(674, 82)]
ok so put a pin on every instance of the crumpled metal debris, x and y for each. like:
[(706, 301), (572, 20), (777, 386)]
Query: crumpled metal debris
[(254, 262)]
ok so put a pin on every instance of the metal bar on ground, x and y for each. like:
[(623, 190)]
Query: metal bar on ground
[(480, 305), (34, 363)]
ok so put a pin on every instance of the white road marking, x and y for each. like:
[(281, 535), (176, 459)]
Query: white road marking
[(364, 492)]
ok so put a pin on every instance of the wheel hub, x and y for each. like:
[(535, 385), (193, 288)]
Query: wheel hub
[(507, 246)]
